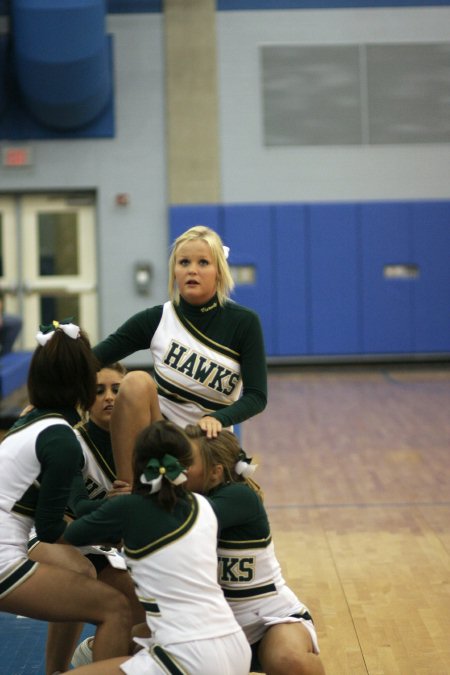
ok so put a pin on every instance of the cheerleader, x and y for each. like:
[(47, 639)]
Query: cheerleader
[(107, 565), (207, 351), (277, 624), (39, 458), (169, 540)]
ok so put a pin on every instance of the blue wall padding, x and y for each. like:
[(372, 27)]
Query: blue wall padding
[(62, 60), (320, 286), (387, 303), (247, 230), (291, 274), (184, 217), (431, 251), (13, 371), (334, 275)]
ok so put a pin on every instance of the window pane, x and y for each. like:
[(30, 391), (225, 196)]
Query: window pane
[(311, 95), (58, 245), (409, 93)]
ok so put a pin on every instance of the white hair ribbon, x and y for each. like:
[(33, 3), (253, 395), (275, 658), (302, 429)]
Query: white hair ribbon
[(245, 469), (70, 329), (156, 482), (226, 251)]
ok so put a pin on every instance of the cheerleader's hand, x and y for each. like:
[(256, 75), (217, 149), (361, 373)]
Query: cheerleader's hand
[(119, 487), (210, 426)]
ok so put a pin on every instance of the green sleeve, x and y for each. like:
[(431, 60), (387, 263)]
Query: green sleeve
[(104, 525), (234, 505), (253, 372), (79, 502), (132, 336), (60, 455)]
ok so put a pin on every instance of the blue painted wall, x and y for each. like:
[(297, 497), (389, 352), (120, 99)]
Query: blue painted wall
[(320, 285)]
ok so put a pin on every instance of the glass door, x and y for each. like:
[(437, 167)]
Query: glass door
[(49, 261)]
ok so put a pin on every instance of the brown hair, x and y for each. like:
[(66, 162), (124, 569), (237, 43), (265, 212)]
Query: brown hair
[(225, 449), (63, 373), (155, 441), (225, 283), (117, 366)]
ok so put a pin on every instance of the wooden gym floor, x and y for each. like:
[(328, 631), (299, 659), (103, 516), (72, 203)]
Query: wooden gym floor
[(355, 466)]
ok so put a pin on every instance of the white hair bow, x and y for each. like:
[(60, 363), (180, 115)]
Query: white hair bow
[(226, 251), (155, 484), (46, 333), (245, 470), (244, 467)]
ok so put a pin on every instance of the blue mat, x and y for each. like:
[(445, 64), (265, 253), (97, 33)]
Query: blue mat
[(22, 644)]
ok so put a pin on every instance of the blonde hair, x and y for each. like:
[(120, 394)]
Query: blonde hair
[(225, 283), (224, 450)]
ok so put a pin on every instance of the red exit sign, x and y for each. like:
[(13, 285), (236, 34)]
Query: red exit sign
[(17, 155)]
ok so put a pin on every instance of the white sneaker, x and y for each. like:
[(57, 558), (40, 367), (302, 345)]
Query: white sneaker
[(82, 655)]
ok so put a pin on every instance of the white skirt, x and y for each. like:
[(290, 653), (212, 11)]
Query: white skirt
[(226, 655), (257, 615), (15, 565)]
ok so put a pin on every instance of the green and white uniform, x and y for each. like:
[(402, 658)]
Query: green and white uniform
[(249, 571), (94, 480), (98, 466), (98, 473), (39, 458), (172, 559), (208, 359)]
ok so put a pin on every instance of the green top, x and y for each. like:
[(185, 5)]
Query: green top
[(232, 325), (138, 520), (240, 512)]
